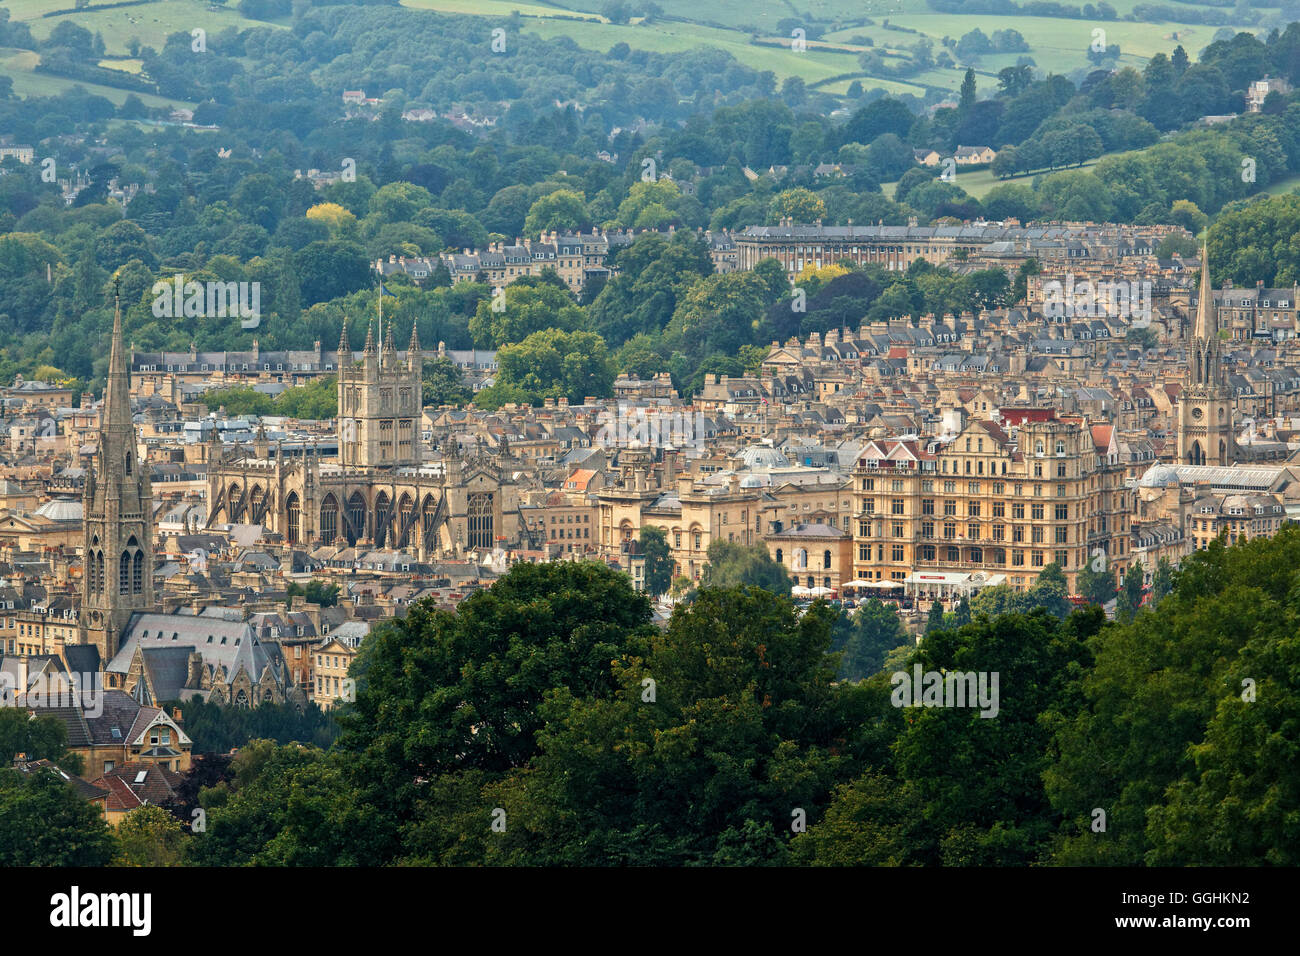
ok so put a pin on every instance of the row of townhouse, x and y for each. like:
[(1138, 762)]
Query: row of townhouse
[(799, 246), (578, 258)]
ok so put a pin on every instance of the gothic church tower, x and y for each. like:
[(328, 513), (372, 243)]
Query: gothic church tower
[(380, 404), (117, 580), (1205, 406)]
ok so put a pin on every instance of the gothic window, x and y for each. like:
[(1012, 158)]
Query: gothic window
[(405, 510), (137, 573), (356, 515), (383, 511), (479, 512), (294, 511), (124, 573), (329, 519), (428, 513), (101, 581)]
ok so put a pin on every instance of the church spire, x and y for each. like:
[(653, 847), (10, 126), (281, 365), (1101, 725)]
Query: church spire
[(116, 414), (370, 338), (345, 347), (413, 350), (1207, 325)]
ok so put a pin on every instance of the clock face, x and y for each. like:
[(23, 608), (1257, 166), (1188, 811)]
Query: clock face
[(1197, 413)]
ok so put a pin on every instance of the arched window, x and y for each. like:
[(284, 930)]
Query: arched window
[(826, 559), (124, 573), (479, 513), (357, 516), (137, 573), (383, 511), (294, 511), (101, 578), (405, 520), (329, 519), (428, 522), (780, 556)]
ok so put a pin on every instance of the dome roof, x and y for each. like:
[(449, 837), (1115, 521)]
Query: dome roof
[(1159, 476), (754, 481), (61, 509), (761, 456)]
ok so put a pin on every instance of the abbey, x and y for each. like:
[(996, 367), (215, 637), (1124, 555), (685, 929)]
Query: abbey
[(379, 493)]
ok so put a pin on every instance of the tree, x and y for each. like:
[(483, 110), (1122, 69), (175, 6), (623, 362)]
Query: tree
[(315, 592), (658, 560), (1096, 581), (732, 565), (291, 806), (866, 638), (42, 738), (1162, 581), (522, 309), (961, 614), (45, 822), (801, 205), (561, 211), (1130, 595), (149, 836), (443, 383), (934, 622), (1180, 735), (553, 363), (330, 214), (967, 93), (443, 691)]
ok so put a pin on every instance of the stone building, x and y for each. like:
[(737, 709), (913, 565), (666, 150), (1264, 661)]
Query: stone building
[(380, 493)]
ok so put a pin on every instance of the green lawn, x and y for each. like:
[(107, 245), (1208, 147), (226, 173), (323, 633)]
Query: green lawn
[(730, 25), (978, 182), (19, 64), (1283, 186), (498, 8), (151, 23)]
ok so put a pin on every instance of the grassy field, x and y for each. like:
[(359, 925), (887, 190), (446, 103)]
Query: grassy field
[(150, 24), (499, 8), (979, 182), (1284, 186), (731, 25), (20, 64), (126, 65)]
